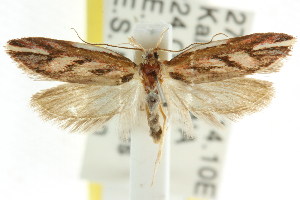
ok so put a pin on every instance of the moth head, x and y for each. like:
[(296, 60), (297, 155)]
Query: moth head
[(150, 54)]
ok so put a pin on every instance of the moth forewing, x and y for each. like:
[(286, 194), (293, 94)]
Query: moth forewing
[(236, 57), (70, 61)]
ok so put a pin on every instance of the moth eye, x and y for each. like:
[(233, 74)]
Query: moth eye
[(155, 55)]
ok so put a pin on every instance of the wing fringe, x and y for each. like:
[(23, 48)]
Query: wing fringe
[(231, 98), (81, 107)]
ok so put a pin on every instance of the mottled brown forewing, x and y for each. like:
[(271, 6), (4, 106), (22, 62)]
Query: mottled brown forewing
[(225, 59), (70, 61)]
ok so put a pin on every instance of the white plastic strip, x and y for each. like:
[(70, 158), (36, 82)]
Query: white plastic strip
[(143, 150)]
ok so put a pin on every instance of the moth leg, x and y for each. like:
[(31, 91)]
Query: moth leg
[(161, 143)]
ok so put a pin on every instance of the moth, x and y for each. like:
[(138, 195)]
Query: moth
[(207, 80)]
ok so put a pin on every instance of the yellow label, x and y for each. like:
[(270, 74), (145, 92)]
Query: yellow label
[(94, 34), (192, 198), (95, 191), (95, 21)]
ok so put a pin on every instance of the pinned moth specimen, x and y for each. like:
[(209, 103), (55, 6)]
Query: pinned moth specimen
[(207, 80)]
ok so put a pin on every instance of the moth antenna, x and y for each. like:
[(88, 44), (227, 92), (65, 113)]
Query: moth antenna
[(161, 37), (134, 43), (219, 34), (201, 43), (104, 44), (124, 43)]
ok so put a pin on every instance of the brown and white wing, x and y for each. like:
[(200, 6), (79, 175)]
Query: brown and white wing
[(231, 98), (225, 59), (70, 61), (82, 107)]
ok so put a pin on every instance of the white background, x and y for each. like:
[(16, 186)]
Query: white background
[(39, 161)]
